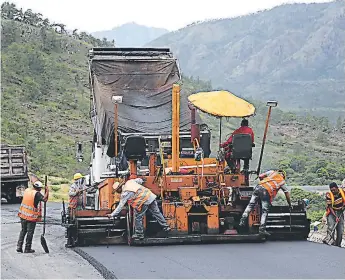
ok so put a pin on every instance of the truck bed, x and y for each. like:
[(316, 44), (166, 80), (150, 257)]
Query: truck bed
[(13, 163)]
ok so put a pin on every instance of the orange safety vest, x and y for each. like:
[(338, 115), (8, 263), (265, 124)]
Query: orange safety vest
[(142, 194), (27, 210), (331, 195), (272, 184), (73, 202)]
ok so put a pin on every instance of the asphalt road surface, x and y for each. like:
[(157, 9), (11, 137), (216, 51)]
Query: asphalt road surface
[(301, 259), (288, 260)]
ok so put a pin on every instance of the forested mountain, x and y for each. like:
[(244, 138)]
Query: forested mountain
[(294, 53), (45, 105)]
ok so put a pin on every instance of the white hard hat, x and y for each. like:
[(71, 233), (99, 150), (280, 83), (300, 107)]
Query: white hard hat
[(38, 184)]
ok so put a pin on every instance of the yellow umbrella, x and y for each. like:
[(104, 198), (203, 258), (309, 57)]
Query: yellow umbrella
[(222, 104)]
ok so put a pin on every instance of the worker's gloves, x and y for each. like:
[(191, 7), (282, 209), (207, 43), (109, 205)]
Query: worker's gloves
[(337, 219)]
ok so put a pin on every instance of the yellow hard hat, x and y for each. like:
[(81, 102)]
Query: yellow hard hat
[(77, 176)]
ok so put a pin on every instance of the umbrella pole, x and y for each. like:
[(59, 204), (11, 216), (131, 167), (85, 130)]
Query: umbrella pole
[(270, 104), (220, 131)]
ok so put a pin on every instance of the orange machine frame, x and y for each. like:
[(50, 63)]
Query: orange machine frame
[(186, 185)]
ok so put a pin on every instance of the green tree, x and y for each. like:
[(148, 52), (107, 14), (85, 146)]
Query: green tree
[(8, 10)]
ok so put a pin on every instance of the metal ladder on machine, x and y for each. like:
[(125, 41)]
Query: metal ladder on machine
[(111, 229)]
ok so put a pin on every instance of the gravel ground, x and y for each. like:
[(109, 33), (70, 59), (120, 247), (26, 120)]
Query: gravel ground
[(60, 263)]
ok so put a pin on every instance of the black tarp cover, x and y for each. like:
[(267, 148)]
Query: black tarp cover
[(146, 87)]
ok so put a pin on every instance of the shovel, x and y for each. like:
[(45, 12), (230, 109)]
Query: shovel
[(43, 240), (327, 240)]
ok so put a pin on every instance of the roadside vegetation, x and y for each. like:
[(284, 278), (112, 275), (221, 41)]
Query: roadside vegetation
[(58, 188), (315, 210)]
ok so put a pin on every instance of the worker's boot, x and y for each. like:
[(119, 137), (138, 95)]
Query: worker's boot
[(263, 232), (242, 222), (20, 246), (139, 236), (29, 250), (165, 232), (167, 229)]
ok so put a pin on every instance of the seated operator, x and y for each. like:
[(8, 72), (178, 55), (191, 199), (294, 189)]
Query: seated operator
[(243, 129)]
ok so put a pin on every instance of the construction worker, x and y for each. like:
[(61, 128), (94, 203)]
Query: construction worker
[(335, 200), (268, 187), (30, 212), (243, 129), (75, 199), (141, 199)]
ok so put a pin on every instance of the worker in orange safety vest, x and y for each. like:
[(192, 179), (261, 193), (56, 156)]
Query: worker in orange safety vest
[(30, 212), (140, 199), (335, 200), (270, 183)]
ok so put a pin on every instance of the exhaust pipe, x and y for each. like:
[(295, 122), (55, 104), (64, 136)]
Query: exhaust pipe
[(195, 128)]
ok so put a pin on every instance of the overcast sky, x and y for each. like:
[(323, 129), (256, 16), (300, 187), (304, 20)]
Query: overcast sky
[(99, 15)]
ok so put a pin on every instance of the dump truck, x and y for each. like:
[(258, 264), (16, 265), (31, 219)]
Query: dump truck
[(146, 126), (14, 172)]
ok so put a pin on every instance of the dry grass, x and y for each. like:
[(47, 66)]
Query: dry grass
[(59, 193), (58, 188)]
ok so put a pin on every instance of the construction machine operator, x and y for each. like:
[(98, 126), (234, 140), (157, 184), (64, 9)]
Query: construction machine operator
[(243, 129), (77, 187), (335, 200), (270, 183), (141, 199), (30, 212)]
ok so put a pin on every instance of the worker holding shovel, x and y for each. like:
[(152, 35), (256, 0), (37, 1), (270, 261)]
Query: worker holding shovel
[(335, 214), (30, 212)]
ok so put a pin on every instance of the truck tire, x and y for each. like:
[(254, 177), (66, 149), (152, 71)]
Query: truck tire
[(14, 200)]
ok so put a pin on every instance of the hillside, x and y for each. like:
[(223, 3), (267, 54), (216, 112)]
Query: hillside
[(45, 106), (293, 53), (131, 34)]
